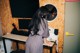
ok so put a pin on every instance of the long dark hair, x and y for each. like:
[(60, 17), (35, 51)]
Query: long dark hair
[(41, 13)]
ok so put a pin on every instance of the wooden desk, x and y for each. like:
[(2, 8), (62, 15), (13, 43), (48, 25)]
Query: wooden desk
[(19, 38)]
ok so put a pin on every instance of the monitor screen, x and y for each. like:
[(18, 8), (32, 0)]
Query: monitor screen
[(23, 8), (24, 23)]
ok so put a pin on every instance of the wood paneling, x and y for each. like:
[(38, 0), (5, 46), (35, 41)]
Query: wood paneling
[(5, 15)]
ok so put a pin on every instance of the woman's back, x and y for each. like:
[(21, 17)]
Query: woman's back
[(39, 30)]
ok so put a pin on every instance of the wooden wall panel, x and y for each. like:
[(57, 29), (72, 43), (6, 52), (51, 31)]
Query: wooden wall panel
[(58, 23), (5, 15)]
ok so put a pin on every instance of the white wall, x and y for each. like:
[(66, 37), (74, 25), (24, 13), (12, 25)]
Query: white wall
[(72, 25)]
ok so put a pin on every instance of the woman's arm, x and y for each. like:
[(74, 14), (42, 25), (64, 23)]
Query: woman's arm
[(44, 32)]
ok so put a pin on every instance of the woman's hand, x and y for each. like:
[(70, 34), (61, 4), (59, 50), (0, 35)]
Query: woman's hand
[(48, 42)]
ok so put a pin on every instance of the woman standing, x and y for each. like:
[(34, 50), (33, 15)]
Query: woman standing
[(38, 31)]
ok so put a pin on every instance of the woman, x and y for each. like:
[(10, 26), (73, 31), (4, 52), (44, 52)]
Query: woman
[(38, 31)]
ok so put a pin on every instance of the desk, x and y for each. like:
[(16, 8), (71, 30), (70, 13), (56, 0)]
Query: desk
[(20, 38)]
